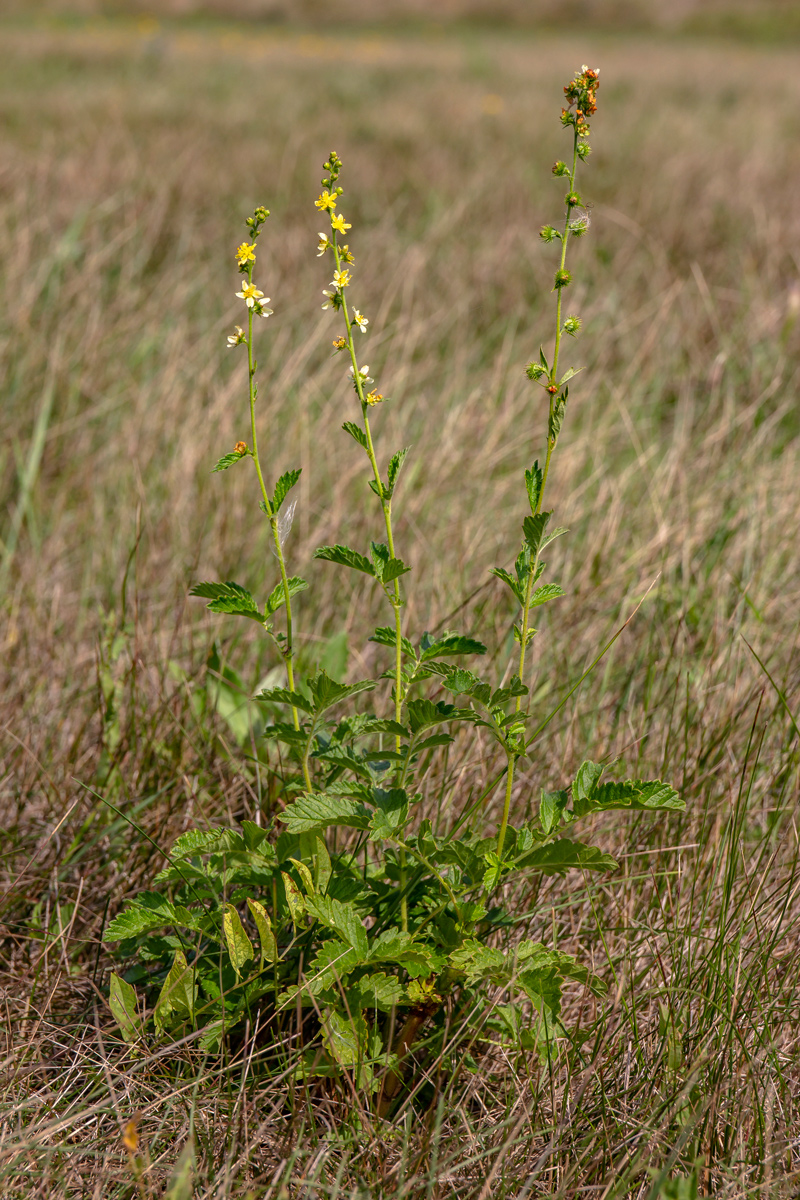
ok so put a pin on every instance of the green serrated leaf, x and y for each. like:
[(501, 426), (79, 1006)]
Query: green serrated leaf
[(551, 808), (282, 731), (345, 557), (229, 598), (548, 591), (228, 460), (509, 579), (356, 432), (476, 960), (569, 375), (346, 1037), (122, 1002), (562, 855), (448, 645), (396, 947), (585, 781), (533, 529), (294, 899), (543, 359), (326, 692), (462, 682), (386, 636), (391, 813), (376, 991), (283, 487), (305, 874), (533, 483), (557, 416), (633, 794), (395, 464), (341, 917), (240, 948), (393, 569), (178, 995), (321, 810), (269, 947), (280, 695), (424, 713), (277, 596)]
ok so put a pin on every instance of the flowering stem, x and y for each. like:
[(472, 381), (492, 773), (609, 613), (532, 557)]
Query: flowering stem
[(552, 438), (395, 598), (288, 650)]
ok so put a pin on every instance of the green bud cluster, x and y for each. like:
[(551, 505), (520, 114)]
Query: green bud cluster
[(333, 164), (255, 222), (535, 370)]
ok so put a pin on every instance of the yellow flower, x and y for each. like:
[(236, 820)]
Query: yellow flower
[(245, 254), (341, 279), (346, 255), (324, 244), (250, 294), (326, 200), (338, 223), (373, 397)]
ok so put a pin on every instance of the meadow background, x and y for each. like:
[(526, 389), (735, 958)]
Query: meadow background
[(133, 142)]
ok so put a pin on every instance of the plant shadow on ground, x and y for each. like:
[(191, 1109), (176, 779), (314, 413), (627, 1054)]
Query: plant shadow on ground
[(129, 161)]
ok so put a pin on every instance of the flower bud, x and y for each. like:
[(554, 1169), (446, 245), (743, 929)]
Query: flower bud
[(535, 370), (572, 326), (562, 278), (560, 168)]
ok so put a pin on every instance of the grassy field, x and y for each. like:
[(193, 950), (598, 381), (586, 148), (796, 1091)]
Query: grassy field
[(131, 153)]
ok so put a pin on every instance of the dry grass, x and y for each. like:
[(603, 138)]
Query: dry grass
[(129, 161)]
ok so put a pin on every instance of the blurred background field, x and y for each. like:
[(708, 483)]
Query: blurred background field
[(134, 140)]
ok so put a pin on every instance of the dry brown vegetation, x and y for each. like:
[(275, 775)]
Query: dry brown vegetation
[(129, 161)]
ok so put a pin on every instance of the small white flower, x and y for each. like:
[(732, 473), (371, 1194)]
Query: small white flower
[(324, 244), (360, 320), (363, 374), (236, 339), (261, 310), (329, 302)]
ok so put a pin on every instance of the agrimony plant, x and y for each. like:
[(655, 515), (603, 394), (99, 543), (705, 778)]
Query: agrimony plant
[(353, 926)]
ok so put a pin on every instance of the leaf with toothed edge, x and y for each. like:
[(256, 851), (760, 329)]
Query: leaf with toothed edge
[(283, 487), (345, 557), (277, 596), (229, 598)]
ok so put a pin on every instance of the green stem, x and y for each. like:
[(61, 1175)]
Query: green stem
[(551, 445), (395, 598), (288, 652)]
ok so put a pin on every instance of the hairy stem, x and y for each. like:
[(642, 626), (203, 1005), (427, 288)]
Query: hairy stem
[(288, 651), (551, 445), (395, 598)]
